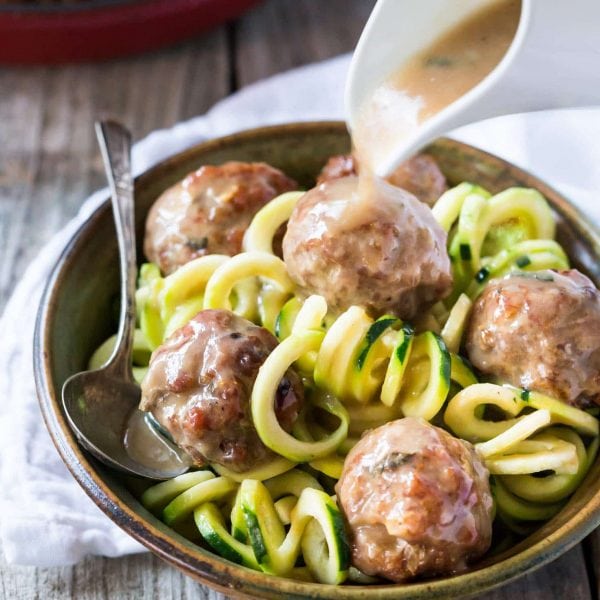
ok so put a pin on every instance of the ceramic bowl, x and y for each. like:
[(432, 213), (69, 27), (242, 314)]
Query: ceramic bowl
[(78, 312)]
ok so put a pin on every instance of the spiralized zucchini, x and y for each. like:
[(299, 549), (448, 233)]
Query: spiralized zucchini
[(360, 373), (360, 360), (212, 281), (492, 235), (258, 517), (535, 467)]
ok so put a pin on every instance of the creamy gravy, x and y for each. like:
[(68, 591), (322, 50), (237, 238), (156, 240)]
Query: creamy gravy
[(147, 446), (352, 202), (433, 79)]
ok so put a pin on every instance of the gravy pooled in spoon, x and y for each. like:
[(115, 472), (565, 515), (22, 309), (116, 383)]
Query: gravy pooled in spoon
[(434, 78), (146, 446)]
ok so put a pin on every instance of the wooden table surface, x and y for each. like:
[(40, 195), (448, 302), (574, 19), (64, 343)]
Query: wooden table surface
[(49, 163)]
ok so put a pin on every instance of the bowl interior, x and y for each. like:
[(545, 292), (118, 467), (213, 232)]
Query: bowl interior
[(80, 309)]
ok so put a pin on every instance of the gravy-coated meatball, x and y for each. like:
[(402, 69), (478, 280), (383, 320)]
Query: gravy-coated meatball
[(199, 384), (419, 175), (209, 211), (381, 249), (540, 331), (417, 501)]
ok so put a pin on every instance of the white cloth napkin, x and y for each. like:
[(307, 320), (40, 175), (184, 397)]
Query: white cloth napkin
[(45, 518)]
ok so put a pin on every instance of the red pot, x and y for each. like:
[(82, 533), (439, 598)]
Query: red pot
[(102, 29)]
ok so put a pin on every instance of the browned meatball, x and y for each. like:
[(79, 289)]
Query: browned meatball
[(199, 384), (540, 331), (417, 501), (340, 165), (419, 175), (381, 249), (209, 211)]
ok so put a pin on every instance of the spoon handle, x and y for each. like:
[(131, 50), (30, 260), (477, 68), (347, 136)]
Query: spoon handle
[(115, 145)]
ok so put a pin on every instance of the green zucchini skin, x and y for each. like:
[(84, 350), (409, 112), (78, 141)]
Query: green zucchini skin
[(445, 362), (286, 318), (221, 547), (316, 532), (373, 334), (339, 528), (256, 537), (209, 521), (403, 347)]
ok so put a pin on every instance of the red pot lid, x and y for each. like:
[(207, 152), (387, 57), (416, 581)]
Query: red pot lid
[(101, 29)]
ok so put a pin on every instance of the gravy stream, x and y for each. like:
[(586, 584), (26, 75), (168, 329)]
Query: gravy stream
[(433, 79)]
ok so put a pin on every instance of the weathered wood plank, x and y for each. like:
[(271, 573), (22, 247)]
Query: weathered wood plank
[(566, 577), (591, 551), (141, 576), (282, 34), (49, 160)]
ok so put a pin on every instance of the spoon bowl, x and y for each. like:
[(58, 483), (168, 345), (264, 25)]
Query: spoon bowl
[(101, 404)]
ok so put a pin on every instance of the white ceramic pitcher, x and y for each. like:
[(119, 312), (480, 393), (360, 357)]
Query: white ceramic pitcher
[(553, 62)]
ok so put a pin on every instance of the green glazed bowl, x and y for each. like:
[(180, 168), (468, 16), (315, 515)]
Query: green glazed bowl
[(78, 312)]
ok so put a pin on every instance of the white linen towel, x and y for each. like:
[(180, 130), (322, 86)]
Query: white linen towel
[(45, 518)]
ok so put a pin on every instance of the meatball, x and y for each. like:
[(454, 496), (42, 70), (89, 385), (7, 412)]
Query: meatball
[(199, 384), (417, 501), (209, 211), (540, 331), (340, 165), (381, 249), (419, 175)]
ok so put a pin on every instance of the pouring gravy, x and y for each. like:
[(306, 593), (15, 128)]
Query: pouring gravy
[(433, 79)]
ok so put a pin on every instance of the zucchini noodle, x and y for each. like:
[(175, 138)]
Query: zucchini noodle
[(456, 322), (213, 281), (360, 360), (492, 235), (360, 373), (241, 267), (259, 235), (258, 518), (263, 397), (274, 467), (316, 528), (259, 238), (535, 467), (530, 255)]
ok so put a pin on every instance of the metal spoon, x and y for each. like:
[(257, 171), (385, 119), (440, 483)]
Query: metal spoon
[(100, 403)]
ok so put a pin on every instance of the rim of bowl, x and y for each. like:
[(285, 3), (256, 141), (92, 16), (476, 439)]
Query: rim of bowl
[(210, 568)]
